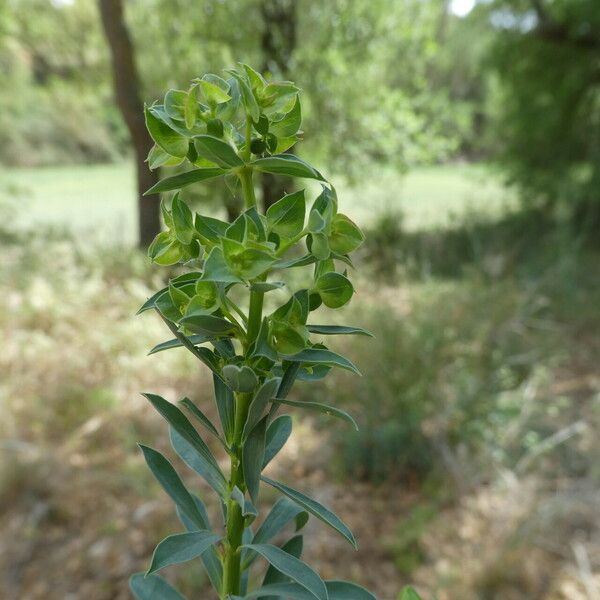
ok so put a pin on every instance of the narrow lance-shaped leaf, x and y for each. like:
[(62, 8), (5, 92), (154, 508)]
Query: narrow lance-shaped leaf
[(338, 330), (320, 356), (172, 484), (336, 590), (294, 568), (184, 179), (277, 435), (253, 457), (323, 408), (152, 587), (181, 548), (287, 164), (259, 403), (314, 508)]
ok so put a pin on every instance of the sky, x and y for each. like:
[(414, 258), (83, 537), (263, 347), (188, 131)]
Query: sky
[(462, 7)]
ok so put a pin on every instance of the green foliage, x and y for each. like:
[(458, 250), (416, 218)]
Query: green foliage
[(225, 127), (549, 118)]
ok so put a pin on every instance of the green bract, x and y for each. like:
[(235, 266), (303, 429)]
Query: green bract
[(236, 126)]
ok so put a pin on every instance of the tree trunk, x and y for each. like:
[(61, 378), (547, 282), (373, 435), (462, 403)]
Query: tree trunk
[(129, 100), (278, 43)]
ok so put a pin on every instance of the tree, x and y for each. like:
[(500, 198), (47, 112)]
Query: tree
[(129, 100), (278, 41), (547, 57)]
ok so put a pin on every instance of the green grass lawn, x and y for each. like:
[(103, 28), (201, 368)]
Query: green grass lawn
[(99, 200)]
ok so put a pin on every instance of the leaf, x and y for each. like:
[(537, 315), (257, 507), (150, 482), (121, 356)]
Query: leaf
[(409, 593), (152, 587), (169, 140), (240, 379), (335, 289), (174, 104), (200, 416), (336, 590), (214, 94), (290, 124), (226, 407), (180, 548), (202, 462), (324, 408), (287, 381), (210, 229), (319, 245), (284, 511), (253, 454), (297, 261), (217, 269), (345, 236), (338, 330), (286, 216), (157, 157), (208, 325), (245, 262), (248, 99), (175, 343), (287, 164), (217, 151), (172, 484), (266, 286), (184, 179), (319, 356), (314, 508), (293, 567), (259, 402), (278, 432), (191, 108)]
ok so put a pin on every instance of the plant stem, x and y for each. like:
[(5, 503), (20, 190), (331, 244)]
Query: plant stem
[(235, 520)]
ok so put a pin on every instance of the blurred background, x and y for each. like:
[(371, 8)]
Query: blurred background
[(464, 137)]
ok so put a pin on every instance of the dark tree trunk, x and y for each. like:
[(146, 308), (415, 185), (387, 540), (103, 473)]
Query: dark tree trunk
[(129, 100), (278, 43)]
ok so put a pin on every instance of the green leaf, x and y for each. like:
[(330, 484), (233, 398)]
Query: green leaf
[(409, 593), (249, 511), (290, 124), (278, 433), (225, 406), (191, 108), (320, 356), (172, 484), (203, 462), (266, 286), (319, 246), (212, 93), (164, 250), (336, 590), (170, 141), (345, 236), (217, 151), (197, 454), (184, 179), (248, 98), (152, 587), (287, 164), (324, 408), (175, 343), (217, 269), (293, 567), (338, 330), (245, 262), (284, 511), (208, 325), (180, 548), (240, 379), (174, 104), (194, 410), (286, 216), (182, 220), (253, 455), (335, 289), (314, 508), (210, 229), (262, 397), (157, 157)]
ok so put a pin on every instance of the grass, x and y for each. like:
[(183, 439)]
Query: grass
[(99, 200)]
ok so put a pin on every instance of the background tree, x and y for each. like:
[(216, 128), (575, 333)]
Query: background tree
[(129, 100), (547, 57)]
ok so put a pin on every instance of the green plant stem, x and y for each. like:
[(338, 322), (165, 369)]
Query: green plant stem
[(235, 520)]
